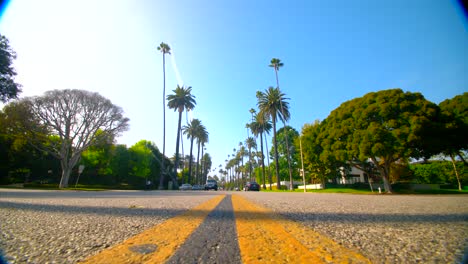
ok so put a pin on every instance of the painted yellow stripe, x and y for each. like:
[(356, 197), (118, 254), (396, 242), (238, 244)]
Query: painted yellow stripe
[(266, 237), (157, 244)]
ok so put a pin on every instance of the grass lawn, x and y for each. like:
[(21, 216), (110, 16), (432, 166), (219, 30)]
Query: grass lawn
[(364, 191)]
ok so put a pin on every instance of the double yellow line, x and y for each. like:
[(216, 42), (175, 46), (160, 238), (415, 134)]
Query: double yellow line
[(263, 237)]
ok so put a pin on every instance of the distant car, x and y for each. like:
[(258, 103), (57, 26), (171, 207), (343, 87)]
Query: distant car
[(185, 187), (211, 185), (252, 186), (197, 187)]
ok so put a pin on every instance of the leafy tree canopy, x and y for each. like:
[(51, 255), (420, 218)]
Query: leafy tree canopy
[(9, 89), (455, 112), (385, 126)]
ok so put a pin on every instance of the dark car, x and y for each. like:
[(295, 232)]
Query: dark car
[(211, 185), (252, 186)]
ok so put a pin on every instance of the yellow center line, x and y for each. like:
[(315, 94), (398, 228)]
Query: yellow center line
[(158, 243), (266, 237)]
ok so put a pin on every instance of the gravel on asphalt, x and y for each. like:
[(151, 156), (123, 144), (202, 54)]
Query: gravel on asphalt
[(66, 227), (384, 228)]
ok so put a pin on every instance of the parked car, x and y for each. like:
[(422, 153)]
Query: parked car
[(211, 185), (197, 187), (252, 186), (185, 187)]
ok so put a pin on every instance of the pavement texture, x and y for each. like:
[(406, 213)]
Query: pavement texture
[(71, 227)]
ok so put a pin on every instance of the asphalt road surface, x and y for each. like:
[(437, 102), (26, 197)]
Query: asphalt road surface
[(230, 227)]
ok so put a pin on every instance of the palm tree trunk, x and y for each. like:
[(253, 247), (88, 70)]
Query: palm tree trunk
[(275, 144), (285, 136), (268, 162), (250, 163), (198, 163), (163, 169), (242, 172), (190, 161), (201, 167), (263, 160), (176, 164)]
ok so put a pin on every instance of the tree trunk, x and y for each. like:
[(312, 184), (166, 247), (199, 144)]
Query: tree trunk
[(387, 186), (198, 163), (263, 160), (190, 161), (268, 162), (163, 169), (250, 163), (452, 157), (242, 174), (66, 171), (67, 167), (288, 157), (202, 165), (385, 172), (176, 164), (275, 144)]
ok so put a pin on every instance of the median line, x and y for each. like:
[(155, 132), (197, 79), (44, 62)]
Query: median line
[(158, 243), (267, 237)]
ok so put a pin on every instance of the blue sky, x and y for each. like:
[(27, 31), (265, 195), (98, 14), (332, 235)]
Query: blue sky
[(332, 51)]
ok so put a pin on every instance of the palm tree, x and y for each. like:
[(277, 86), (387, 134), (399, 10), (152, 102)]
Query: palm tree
[(202, 138), (191, 131), (165, 49), (272, 103), (259, 126), (181, 100), (277, 64), (250, 143)]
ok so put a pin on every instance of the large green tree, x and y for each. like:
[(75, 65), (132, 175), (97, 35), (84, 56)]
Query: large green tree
[(316, 169), (141, 160), (74, 118), (119, 163), (181, 100), (455, 114), (385, 127), (19, 161), (9, 89), (273, 104)]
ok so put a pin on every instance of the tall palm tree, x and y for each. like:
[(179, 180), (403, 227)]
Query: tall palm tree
[(272, 103), (165, 49), (277, 64), (259, 126), (191, 131), (181, 100)]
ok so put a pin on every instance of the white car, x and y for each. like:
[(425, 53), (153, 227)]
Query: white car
[(185, 187)]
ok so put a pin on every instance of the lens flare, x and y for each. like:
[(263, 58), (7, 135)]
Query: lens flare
[(3, 7), (174, 67)]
